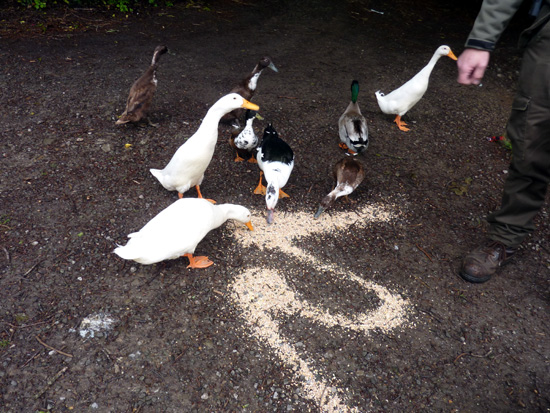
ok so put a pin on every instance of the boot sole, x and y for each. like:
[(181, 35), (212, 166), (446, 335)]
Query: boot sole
[(475, 280)]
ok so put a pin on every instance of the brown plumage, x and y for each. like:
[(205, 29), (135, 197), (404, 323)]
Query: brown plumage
[(142, 92), (348, 173), (247, 87)]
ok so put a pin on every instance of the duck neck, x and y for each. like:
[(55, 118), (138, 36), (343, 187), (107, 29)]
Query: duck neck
[(354, 92), (271, 194), (341, 190), (253, 81), (219, 215), (211, 120), (427, 70)]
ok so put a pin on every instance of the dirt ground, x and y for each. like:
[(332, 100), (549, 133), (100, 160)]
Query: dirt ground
[(369, 313)]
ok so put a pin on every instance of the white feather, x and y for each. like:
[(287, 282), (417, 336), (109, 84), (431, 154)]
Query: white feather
[(405, 97), (178, 229), (187, 166)]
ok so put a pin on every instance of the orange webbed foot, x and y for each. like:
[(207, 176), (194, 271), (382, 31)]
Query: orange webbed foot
[(239, 159), (252, 160), (200, 195), (198, 262), (400, 124), (283, 194), (260, 189), (343, 146)]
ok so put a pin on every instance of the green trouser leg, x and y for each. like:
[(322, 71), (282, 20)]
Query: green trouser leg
[(529, 131)]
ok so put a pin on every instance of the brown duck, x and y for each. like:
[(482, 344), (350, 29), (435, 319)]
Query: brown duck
[(246, 89), (142, 92), (349, 173)]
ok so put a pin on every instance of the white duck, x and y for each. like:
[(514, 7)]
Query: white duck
[(352, 125), (348, 173), (187, 166), (276, 160), (401, 100), (177, 230)]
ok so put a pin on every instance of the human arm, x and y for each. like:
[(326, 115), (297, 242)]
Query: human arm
[(491, 21)]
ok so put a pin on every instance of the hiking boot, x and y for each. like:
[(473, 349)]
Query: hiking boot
[(480, 264)]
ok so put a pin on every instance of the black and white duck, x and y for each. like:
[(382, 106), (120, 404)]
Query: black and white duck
[(247, 87), (142, 92), (352, 125), (348, 173), (244, 140), (276, 160), (401, 100)]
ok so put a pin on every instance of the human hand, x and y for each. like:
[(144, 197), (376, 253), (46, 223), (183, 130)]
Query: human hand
[(471, 66)]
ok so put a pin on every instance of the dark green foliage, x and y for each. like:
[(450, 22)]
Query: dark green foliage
[(120, 5)]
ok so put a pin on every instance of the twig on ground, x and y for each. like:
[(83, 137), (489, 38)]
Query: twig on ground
[(459, 356), (421, 281), (482, 355), (31, 359), (52, 348), (180, 355), (431, 314), (33, 268), (473, 355), (425, 253), (50, 382), (8, 257)]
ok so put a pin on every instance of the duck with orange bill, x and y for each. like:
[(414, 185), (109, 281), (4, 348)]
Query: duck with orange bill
[(188, 164), (177, 230), (401, 100)]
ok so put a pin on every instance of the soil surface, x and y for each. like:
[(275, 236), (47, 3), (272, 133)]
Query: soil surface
[(360, 310)]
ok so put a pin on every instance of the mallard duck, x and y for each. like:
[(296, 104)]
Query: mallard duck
[(401, 100), (352, 125), (177, 230), (187, 166), (348, 173), (276, 160), (247, 87), (244, 140), (142, 91)]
